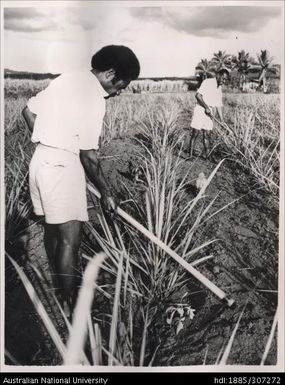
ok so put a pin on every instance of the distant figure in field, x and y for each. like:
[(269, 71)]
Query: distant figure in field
[(66, 121), (209, 100)]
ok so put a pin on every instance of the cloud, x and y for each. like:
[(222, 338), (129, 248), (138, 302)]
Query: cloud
[(87, 18), (21, 13), (27, 20), (210, 21)]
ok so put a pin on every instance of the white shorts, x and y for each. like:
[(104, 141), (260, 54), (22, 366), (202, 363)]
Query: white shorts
[(58, 185), (201, 121)]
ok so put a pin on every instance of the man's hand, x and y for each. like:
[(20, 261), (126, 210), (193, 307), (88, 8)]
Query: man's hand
[(93, 170), (202, 103), (208, 112), (109, 205)]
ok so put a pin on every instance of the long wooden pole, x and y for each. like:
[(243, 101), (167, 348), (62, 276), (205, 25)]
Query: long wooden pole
[(206, 282), (224, 125)]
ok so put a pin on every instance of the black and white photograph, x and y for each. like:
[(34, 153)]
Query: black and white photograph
[(176, 260)]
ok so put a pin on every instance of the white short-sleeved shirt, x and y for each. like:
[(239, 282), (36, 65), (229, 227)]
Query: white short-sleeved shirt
[(212, 94), (70, 112)]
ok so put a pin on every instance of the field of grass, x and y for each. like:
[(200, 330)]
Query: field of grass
[(146, 309)]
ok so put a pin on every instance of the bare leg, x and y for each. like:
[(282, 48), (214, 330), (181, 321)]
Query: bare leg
[(193, 138), (64, 251), (50, 242), (206, 143)]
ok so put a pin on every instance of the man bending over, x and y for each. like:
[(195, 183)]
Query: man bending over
[(209, 100), (66, 121)]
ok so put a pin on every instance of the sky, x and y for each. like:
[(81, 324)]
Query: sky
[(169, 38)]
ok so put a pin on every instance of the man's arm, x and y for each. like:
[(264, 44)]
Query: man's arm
[(29, 117), (202, 103), (93, 170)]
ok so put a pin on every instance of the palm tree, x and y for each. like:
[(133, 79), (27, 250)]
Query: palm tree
[(242, 63), (265, 66), (204, 69), (221, 60)]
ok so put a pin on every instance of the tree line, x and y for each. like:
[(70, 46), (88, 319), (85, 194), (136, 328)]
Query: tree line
[(243, 63)]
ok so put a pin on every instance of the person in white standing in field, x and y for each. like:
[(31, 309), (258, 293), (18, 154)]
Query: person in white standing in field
[(66, 121), (209, 101)]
